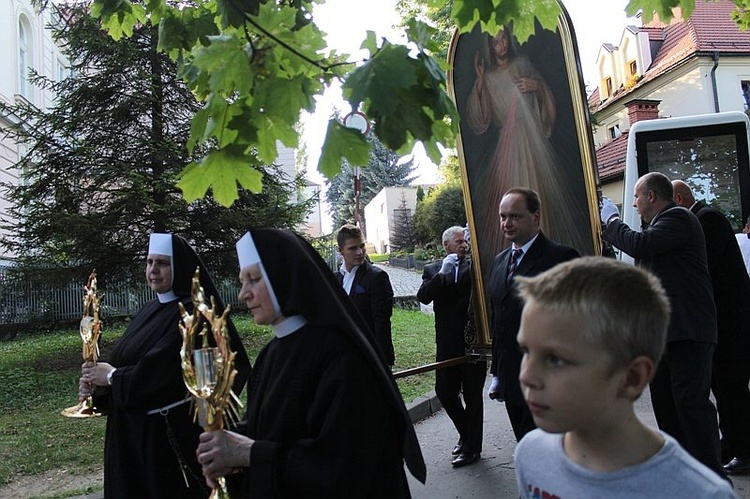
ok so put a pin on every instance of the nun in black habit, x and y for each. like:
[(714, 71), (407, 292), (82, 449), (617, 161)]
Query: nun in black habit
[(149, 449), (325, 418)]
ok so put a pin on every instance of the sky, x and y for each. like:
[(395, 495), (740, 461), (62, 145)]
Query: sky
[(346, 23)]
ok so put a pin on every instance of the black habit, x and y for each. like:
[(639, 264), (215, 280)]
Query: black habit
[(139, 459), (325, 414)]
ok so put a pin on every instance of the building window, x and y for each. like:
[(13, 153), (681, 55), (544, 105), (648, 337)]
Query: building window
[(614, 131), (607, 87), (23, 60), (62, 72), (745, 85), (633, 68)]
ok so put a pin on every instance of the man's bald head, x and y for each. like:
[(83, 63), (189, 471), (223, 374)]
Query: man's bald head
[(682, 194)]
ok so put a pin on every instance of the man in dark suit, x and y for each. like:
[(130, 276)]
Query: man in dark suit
[(369, 288), (530, 253), (672, 246), (731, 367), (447, 285)]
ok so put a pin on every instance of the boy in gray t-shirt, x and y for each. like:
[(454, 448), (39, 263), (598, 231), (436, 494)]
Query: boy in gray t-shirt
[(592, 331)]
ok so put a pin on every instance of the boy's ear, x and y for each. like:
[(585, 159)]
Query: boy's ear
[(638, 374)]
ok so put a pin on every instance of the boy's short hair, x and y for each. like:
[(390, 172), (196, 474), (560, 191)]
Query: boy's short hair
[(623, 308), (346, 232)]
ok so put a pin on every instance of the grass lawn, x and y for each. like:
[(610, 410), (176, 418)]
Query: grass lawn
[(40, 371)]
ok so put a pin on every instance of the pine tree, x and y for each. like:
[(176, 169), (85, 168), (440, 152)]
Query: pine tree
[(402, 238), (102, 162)]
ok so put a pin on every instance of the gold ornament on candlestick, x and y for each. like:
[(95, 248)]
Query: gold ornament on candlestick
[(208, 371), (91, 329)]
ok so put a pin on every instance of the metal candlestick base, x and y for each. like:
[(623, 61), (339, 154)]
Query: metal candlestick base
[(84, 409)]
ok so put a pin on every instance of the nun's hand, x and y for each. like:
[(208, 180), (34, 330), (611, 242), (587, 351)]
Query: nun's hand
[(85, 390), (95, 373), (221, 453)]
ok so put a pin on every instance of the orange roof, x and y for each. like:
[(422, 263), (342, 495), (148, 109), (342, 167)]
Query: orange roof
[(710, 29), (610, 158)]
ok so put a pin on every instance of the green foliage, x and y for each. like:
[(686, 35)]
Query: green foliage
[(450, 170), (414, 344), (384, 168), (443, 207), (102, 162), (662, 8), (495, 14), (40, 373), (40, 378), (257, 64), (402, 239), (378, 258), (438, 15)]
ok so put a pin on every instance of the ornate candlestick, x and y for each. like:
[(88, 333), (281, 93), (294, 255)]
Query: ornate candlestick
[(208, 370), (90, 328)]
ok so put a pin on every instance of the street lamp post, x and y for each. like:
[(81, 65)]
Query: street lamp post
[(357, 120)]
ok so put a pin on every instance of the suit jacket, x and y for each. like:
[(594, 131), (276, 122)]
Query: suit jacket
[(372, 295), (672, 246), (506, 307), (451, 306), (730, 282)]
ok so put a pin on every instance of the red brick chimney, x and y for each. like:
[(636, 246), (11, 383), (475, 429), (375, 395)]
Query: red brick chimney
[(642, 109)]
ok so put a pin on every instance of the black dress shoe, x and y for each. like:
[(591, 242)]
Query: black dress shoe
[(737, 466), (465, 460), (458, 448)]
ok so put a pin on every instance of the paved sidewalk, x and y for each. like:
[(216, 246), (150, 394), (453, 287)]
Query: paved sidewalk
[(494, 475), (405, 283)]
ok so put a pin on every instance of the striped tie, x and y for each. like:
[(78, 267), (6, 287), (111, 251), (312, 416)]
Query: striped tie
[(513, 263)]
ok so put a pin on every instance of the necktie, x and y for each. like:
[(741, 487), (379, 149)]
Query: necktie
[(513, 263)]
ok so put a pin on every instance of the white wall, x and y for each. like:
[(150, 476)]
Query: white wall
[(43, 55), (379, 214)]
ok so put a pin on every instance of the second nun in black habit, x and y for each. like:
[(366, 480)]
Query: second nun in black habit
[(325, 418)]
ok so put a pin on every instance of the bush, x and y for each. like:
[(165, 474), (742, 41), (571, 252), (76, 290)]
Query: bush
[(379, 258)]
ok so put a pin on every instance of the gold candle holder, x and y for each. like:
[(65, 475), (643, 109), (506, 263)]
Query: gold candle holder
[(208, 371), (91, 329)]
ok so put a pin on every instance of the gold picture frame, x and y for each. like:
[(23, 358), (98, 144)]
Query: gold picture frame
[(503, 144)]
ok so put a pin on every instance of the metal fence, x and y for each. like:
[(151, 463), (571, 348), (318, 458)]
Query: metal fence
[(26, 302)]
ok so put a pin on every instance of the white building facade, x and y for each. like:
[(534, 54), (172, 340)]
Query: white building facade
[(380, 216), (695, 66), (313, 223), (28, 46)]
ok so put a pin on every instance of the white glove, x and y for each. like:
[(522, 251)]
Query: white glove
[(494, 392), (609, 210), (450, 262)]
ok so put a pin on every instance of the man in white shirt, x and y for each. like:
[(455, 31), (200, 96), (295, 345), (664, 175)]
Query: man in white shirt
[(369, 288)]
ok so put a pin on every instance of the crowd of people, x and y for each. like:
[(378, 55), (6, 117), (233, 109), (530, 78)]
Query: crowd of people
[(575, 341)]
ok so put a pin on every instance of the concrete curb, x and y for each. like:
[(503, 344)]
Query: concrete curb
[(407, 302), (423, 407)]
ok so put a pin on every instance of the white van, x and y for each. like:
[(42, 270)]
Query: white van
[(709, 152)]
